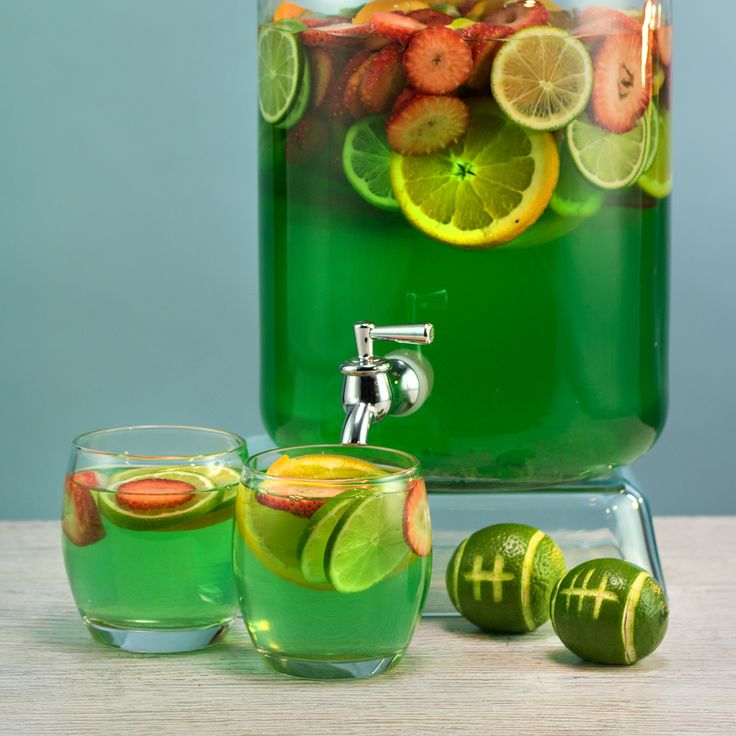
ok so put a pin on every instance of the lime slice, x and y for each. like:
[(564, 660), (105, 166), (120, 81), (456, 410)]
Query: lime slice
[(542, 77), (657, 177), (501, 578), (609, 160), (574, 196), (313, 543), (279, 72), (609, 611), (653, 120), (154, 519), (484, 190), (367, 544), (301, 104), (366, 159)]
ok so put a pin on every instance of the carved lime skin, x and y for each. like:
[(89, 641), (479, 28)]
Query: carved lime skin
[(609, 611), (501, 577)]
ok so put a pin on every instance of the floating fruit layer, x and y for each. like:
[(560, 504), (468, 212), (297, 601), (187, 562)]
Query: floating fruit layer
[(473, 118)]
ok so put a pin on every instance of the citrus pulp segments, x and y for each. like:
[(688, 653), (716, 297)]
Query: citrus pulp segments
[(542, 77), (280, 71), (367, 544), (657, 177), (324, 467), (366, 160), (609, 160), (154, 520), (484, 190)]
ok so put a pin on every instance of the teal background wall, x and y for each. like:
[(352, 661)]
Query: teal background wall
[(128, 263)]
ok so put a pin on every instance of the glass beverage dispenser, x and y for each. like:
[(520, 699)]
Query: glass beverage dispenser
[(509, 186)]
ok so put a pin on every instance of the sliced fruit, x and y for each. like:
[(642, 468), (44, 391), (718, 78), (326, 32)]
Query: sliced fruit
[(301, 104), (608, 160), (594, 24), (475, 9), (336, 34), (324, 467), (622, 86), (653, 119), (431, 17), (288, 10), (542, 78), (574, 195), (80, 517), (518, 15), (367, 162), (406, 96), (145, 503), (417, 528), (484, 43), (437, 61), (352, 100), (397, 27), (368, 11), (313, 542), (657, 179), (307, 137), (426, 124), (323, 72), (339, 111), (319, 21), (279, 73), (367, 544), (383, 81), (486, 189), (663, 39)]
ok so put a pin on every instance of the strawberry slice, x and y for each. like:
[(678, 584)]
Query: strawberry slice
[(383, 81), (340, 34), (307, 137), (593, 24), (407, 95), (431, 17), (395, 26), (417, 530), (297, 500), (324, 70), (438, 61), (427, 123), (153, 494), (80, 518), (519, 14), (331, 20), (338, 109), (663, 41), (622, 86), (353, 102), (484, 42)]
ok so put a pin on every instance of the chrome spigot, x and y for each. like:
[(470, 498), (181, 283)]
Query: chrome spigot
[(375, 387)]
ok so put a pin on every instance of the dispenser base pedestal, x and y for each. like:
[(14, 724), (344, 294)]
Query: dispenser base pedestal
[(600, 518)]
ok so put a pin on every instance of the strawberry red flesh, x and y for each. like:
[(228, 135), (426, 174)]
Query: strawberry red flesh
[(153, 494), (518, 15), (593, 24), (395, 26), (340, 34), (81, 521), (663, 42), (437, 61), (431, 17), (321, 22), (323, 66), (485, 42), (426, 124), (338, 108), (622, 86), (383, 81), (417, 532), (297, 500), (353, 102)]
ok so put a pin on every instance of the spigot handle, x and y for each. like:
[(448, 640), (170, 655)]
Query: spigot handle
[(367, 332)]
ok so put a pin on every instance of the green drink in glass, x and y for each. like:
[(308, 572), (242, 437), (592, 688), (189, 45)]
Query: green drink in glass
[(332, 558), (147, 524)]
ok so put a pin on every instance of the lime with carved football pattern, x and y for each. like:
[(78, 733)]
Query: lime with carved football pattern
[(501, 577), (609, 611)]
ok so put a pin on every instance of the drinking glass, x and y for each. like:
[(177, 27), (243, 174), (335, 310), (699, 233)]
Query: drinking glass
[(332, 557), (147, 527)]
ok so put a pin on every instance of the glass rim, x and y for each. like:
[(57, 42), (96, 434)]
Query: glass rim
[(403, 474), (78, 441)]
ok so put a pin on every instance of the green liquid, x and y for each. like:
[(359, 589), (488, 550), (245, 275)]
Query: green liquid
[(550, 353), (156, 579), (286, 617)]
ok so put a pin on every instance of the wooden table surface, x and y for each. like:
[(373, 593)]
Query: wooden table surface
[(454, 680)]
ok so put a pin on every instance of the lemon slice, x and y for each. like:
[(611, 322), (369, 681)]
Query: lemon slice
[(324, 467), (486, 189), (542, 77)]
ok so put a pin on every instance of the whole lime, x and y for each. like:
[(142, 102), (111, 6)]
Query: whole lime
[(609, 611), (501, 577)]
